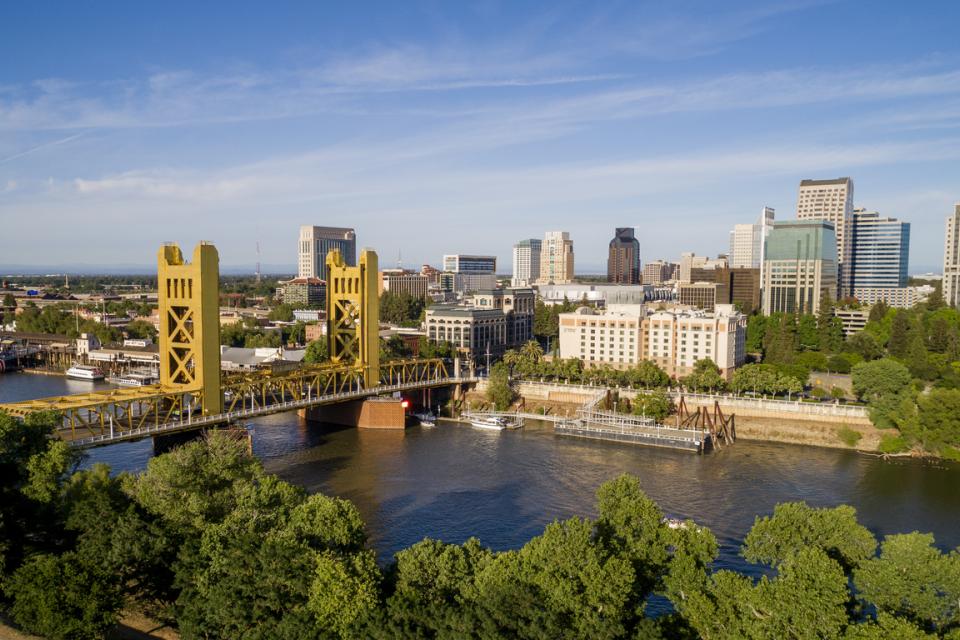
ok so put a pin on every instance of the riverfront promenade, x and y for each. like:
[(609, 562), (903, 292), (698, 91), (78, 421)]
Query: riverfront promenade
[(765, 419)]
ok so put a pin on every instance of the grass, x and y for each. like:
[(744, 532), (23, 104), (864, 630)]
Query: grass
[(848, 436)]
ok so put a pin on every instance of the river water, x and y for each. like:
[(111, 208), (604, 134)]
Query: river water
[(452, 481)]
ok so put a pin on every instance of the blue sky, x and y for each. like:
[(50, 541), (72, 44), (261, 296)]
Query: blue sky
[(440, 127)]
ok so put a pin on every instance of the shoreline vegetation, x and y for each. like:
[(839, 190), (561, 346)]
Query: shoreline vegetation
[(206, 541)]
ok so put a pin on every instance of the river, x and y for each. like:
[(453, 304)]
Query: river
[(452, 481)]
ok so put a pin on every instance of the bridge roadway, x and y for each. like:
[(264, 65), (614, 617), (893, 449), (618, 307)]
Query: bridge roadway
[(190, 423)]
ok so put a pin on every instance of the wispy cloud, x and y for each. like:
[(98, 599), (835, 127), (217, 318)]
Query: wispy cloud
[(41, 147)]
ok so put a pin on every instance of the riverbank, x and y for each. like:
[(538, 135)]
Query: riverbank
[(818, 425)]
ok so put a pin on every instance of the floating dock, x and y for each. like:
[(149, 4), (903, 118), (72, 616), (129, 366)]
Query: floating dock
[(605, 425)]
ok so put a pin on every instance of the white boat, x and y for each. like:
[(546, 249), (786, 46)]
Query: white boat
[(491, 422), (84, 372), (134, 379), (427, 419)]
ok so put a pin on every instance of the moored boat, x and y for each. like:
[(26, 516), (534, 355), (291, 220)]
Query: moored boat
[(426, 419), (84, 372), (134, 379), (491, 422)]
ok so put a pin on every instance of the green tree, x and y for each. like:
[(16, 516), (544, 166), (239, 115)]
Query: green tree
[(431, 349), (873, 381), (653, 404), (886, 385), (913, 580), (705, 376), (401, 309), (282, 312), (939, 420), (935, 300), (499, 391), (58, 597), (317, 351), (839, 363), (756, 330), (878, 311), (647, 375), (394, 348), (432, 588), (9, 301), (142, 330), (808, 333), (866, 345), (795, 526), (561, 584), (780, 339), (900, 334)]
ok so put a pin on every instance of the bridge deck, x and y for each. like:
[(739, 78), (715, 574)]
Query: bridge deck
[(191, 423)]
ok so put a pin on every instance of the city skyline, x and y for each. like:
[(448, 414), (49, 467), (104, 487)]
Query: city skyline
[(582, 119)]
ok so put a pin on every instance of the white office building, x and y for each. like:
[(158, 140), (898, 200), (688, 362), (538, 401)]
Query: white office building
[(746, 241), (526, 262), (951, 259), (316, 242)]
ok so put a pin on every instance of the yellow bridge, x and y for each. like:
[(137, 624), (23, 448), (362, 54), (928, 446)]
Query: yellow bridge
[(193, 393)]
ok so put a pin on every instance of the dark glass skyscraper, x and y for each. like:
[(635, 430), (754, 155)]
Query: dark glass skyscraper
[(623, 258)]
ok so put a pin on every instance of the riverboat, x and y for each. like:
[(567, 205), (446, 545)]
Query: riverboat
[(134, 379), (84, 372)]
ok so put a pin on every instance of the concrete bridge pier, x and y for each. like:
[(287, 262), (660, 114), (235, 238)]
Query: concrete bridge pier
[(372, 413)]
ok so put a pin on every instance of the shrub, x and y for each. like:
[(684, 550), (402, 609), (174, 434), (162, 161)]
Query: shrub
[(848, 436), (819, 392), (838, 393), (890, 443), (839, 364)]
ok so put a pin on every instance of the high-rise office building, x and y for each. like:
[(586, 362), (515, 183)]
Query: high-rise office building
[(556, 258), (526, 262), (951, 259), (693, 268), (658, 272), (746, 241), (879, 250), (830, 200), (462, 263), (623, 257), (315, 242), (800, 266)]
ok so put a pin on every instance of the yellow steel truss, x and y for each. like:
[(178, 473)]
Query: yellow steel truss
[(353, 314), (120, 410)]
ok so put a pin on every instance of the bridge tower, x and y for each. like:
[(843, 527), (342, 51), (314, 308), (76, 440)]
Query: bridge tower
[(189, 306), (353, 314)]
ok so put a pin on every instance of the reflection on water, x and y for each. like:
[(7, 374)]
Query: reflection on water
[(452, 482)]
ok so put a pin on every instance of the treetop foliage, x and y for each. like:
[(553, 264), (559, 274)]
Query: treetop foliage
[(208, 541)]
